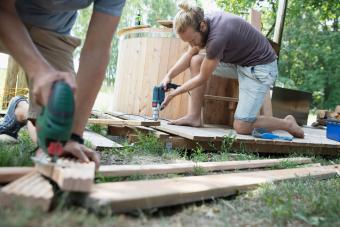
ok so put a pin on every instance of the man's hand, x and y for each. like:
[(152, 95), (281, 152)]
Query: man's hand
[(165, 82), (81, 152), (43, 81), (167, 100)]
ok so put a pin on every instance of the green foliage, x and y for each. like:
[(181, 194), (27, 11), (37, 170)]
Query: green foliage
[(236, 6), (309, 53), (17, 154), (148, 143), (150, 10), (227, 143), (199, 155), (98, 128), (310, 50), (310, 201), (198, 171)]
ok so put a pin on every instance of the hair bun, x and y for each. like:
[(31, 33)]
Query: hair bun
[(185, 6)]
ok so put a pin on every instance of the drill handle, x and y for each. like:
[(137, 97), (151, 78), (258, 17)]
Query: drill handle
[(170, 86)]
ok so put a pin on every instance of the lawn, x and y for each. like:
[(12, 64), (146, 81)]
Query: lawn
[(301, 202)]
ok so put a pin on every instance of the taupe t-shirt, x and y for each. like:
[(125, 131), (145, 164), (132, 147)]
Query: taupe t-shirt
[(233, 40)]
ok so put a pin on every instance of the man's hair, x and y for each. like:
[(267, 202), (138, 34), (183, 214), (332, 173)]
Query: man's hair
[(188, 16)]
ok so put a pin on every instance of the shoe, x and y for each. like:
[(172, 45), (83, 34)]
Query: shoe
[(9, 125)]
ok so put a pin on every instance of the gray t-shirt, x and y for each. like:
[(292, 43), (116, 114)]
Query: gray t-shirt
[(233, 40), (60, 15)]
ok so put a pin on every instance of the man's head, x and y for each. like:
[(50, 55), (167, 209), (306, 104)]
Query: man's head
[(191, 26)]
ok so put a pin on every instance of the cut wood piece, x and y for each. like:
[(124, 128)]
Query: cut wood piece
[(99, 141), (30, 191), (129, 170), (118, 121), (74, 176), (133, 195), (70, 175), (8, 174)]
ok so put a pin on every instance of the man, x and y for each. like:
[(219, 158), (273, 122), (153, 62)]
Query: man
[(232, 46), (37, 34)]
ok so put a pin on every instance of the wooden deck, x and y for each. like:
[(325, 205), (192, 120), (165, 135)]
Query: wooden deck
[(315, 141)]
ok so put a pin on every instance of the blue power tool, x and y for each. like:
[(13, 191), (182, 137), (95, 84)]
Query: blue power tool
[(265, 134), (158, 98)]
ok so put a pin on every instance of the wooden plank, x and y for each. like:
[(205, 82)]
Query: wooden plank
[(10, 82), (192, 133), (220, 98), (184, 131), (125, 196), (31, 191), (99, 141), (280, 19), (117, 121), (129, 170), (70, 175), (8, 174)]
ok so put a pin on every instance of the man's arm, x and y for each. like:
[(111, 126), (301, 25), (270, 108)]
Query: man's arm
[(181, 65), (207, 68), (94, 59), (91, 73), (16, 39)]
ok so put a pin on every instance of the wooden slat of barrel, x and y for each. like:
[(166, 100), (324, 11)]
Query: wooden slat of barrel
[(142, 63)]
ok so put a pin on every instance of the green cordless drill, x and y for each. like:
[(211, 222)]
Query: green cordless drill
[(54, 124)]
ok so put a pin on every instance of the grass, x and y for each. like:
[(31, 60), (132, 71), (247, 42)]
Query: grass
[(17, 155), (301, 202)]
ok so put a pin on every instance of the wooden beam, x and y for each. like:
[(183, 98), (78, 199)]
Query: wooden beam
[(118, 121), (69, 174), (30, 191), (129, 170), (10, 82), (99, 141), (280, 19), (220, 98), (8, 174), (133, 195)]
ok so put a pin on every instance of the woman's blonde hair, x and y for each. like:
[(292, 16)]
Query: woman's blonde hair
[(188, 16)]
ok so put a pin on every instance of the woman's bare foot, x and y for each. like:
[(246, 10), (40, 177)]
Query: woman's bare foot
[(294, 128), (187, 120)]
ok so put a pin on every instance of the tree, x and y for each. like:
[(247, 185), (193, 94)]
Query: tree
[(309, 54), (151, 11)]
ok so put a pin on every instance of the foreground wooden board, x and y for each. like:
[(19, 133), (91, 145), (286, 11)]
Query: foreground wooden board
[(8, 174), (99, 141), (125, 196), (118, 121), (129, 170), (31, 190), (69, 174)]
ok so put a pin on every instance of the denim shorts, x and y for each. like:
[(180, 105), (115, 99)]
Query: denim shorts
[(254, 83)]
